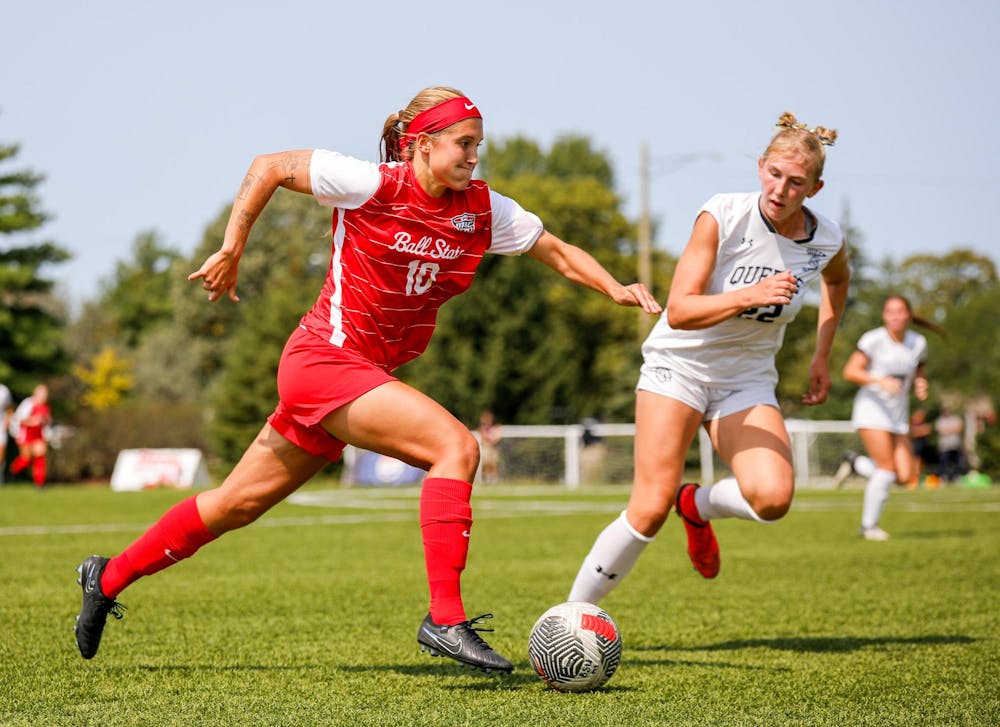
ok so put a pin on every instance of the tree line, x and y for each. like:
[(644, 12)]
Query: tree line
[(150, 363)]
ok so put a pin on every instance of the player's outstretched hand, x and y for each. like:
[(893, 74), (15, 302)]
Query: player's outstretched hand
[(637, 294), (218, 275), (819, 383)]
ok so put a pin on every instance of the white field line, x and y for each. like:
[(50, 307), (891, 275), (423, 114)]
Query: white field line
[(401, 506)]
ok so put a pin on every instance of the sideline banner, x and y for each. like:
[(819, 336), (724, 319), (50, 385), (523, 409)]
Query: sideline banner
[(143, 469)]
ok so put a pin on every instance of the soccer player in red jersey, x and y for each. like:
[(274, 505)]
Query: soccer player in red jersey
[(408, 234), (33, 446)]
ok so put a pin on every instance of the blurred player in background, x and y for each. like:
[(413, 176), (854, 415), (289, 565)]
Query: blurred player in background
[(407, 236), (490, 436), (887, 363), (949, 427), (6, 412), (33, 417), (709, 361), (920, 442)]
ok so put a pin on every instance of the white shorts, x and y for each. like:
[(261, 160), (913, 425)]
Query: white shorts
[(870, 413), (713, 402)]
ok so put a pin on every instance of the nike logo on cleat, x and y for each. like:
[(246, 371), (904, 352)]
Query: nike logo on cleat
[(452, 647), (91, 582)]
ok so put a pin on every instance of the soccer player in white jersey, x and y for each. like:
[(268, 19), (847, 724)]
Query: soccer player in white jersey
[(887, 364), (6, 413), (408, 235), (709, 361)]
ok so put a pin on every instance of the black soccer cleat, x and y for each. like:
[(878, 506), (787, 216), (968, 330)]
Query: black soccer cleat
[(96, 606), (462, 643)]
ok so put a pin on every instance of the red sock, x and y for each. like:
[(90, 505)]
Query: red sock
[(38, 471), (176, 536), (445, 521), (18, 464)]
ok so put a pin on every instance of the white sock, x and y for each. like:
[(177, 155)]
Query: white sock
[(876, 493), (864, 466), (724, 499), (615, 551)]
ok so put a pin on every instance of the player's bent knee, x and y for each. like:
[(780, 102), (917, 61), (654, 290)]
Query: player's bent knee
[(772, 512), (471, 452), (647, 518), (772, 504), (459, 454)]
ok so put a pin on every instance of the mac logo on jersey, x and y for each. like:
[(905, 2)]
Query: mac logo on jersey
[(465, 222)]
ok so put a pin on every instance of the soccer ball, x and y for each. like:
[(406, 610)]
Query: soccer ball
[(575, 647)]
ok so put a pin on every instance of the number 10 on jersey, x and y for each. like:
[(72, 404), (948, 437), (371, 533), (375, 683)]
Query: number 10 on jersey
[(420, 276)]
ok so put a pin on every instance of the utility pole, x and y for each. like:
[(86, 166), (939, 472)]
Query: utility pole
[(644, 235), (644, 238)]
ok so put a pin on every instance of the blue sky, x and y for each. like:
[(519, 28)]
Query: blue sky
[(145, 116)]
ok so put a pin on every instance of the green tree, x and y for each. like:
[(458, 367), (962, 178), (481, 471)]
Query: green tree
[(134, 304), (937, 284), (968, 360), (31, 320), (137, 297)]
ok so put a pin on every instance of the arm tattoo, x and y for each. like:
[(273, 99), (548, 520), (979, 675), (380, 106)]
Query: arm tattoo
[(246, 220), (288, 164), (245, 187)]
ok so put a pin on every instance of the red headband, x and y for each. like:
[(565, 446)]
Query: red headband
[(439, 117)]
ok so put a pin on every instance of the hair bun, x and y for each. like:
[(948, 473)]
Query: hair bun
[(787, 120), (825, 136)]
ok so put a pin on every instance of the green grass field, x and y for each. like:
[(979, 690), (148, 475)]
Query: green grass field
[(309, 616)]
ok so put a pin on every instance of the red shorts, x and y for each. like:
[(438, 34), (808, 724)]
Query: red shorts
[(27, 435), (315, 378)]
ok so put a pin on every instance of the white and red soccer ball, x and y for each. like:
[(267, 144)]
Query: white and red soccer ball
[(575, 647)]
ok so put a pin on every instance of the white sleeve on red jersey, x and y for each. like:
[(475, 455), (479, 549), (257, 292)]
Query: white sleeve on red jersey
[(342, 181), (514, 230)]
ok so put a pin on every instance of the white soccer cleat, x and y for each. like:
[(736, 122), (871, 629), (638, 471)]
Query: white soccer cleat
[(875, 534)]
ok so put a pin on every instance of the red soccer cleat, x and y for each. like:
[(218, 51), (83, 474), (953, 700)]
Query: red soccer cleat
[(703, 548)]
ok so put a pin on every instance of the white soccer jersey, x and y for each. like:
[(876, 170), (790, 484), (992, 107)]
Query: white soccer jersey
[(6, 403), (874, 407), (740, 351)]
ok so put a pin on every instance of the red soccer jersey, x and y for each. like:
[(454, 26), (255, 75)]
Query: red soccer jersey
[(36, 432), (397, 257)]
